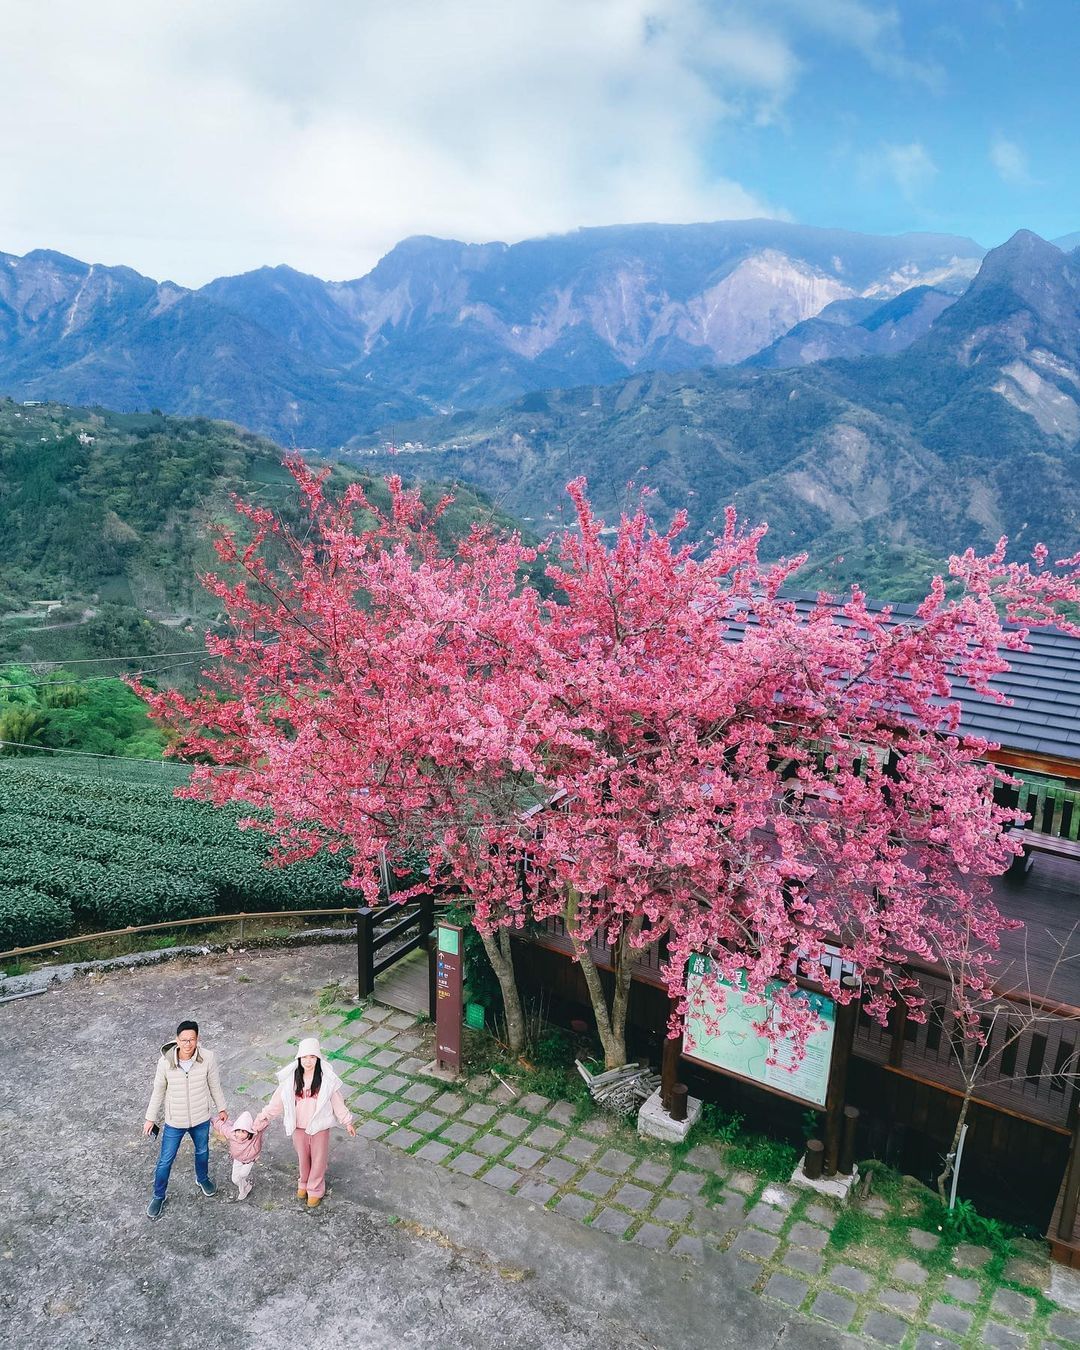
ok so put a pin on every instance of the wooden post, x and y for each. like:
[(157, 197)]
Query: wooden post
[(679, 1094), (815, 1151), (846, 1165), (843, 1039), (365, 955), (669, 1071), (432, 979), (1071, 1196), (899, 1029)]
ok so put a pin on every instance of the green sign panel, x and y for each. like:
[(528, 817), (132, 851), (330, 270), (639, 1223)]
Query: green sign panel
[(449, 940), (737, 1047)]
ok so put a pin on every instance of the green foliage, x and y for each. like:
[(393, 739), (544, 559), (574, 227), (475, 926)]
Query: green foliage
[(722, 1125), (114, 854), (60, 712), (769, 1158), (481, 982), (28, 917)]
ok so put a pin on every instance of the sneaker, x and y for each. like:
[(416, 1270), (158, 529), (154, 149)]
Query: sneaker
[(301, 1194), (207, 1188), (243, 1190), (154, 1208), (314, 1201)]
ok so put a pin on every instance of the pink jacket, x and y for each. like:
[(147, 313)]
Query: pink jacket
[(241, 1150)]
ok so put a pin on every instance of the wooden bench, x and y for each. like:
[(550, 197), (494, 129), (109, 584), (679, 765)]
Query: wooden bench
[(1034, 841)]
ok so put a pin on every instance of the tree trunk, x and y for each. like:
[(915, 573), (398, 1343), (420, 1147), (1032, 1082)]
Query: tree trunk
[(950, 1158), (500, 954), (610, 1023)]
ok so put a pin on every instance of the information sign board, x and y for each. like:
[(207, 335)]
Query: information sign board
[(735, 1046), (449, 971)]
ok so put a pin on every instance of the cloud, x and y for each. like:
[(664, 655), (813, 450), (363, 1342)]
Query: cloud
[(873, 30), (1010, 162), (909, 168), (195, 139)]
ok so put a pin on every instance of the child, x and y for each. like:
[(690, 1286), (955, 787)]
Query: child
[(245, 1145)]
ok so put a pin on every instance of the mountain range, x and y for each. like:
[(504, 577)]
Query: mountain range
[(878, 466), (439, 326)]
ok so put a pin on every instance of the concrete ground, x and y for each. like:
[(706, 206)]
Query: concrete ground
[(401, 1253)]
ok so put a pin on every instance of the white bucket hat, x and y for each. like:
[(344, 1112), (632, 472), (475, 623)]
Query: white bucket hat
[(308, 1046)]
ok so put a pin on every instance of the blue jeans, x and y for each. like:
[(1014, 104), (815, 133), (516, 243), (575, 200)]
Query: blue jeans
[(170, 1142)]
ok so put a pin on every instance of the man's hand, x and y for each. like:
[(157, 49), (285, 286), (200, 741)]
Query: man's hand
[(351, 1129), (148, 1125)]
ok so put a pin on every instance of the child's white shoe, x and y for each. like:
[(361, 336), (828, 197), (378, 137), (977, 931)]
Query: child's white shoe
[(243, 1189)]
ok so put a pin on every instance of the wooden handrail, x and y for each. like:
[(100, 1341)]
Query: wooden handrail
[(202, 920)]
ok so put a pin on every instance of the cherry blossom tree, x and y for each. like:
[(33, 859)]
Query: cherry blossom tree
[(725, 771)]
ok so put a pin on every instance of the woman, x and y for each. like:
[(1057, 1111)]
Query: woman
[(309, 1097)]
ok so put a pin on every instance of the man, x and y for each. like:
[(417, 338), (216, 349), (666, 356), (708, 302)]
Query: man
[(186, 1091)]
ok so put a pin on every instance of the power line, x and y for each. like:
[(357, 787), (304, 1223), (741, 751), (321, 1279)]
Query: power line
[(59, 682), (90, 754), (102, 660)]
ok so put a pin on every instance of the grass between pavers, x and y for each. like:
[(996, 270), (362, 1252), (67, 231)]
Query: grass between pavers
[(827, 1249)]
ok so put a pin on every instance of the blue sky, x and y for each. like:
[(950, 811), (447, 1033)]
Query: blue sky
[(199, 139)]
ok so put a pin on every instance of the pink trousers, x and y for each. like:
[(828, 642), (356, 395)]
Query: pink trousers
[(312, 1152)]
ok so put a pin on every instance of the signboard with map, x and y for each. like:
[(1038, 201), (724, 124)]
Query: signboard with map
[(736, 1047)]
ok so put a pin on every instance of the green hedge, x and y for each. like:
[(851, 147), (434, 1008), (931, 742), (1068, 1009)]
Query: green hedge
[(28, 917)]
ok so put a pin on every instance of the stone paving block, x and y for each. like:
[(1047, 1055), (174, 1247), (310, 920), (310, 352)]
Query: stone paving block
[(964, 1291), (899, 1300), (1065, 1325), (411, 1066), (538, 1191), (479, 1083), (392, 1083), (948, 1317), (511, 1125), (1001, 1337), (672, 1210), (821, 1214), (479, 1114), (922, 1240), (745, 1273), (876, 1207), (808, 1263), (754, 1243), (1027, 1270), (361, 1074), (449, 1103), (786, 1289), (469, 1163), (581, 1150), (597, 1128), (884, 1328), (777, 1197), (595, 1183), (686, 1183), (379, 1035), (502, 1094), (433, 1151), (929, 1341), (742, 1182), (385, 1059), (614, 1160), (652, 1173), (400, 1020), (834, 1308), (576, 1206), (808, 1235), (367, 1101), (427, 1122), (419, 1092), (372, 1129), (693, 1247), (652, 1235), (457, 1133), (851, 1278), (402, 1139), (632, 1197), (501, 1177), (559, 1170), (1011, 1304), (524, 1157), (612, 1221), (408, 1043), (332, 1044), (545, 1136), (909, 1272), (396, 1110), (376, 1012), (704, 1156), (490, 1144), (533, 1104), (970, 1257), (764, 1216), (562, 1113)]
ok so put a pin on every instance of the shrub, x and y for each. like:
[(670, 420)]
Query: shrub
[(28, 917)]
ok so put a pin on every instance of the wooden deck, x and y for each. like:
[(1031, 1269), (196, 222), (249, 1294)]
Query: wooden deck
[(405, 985)]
